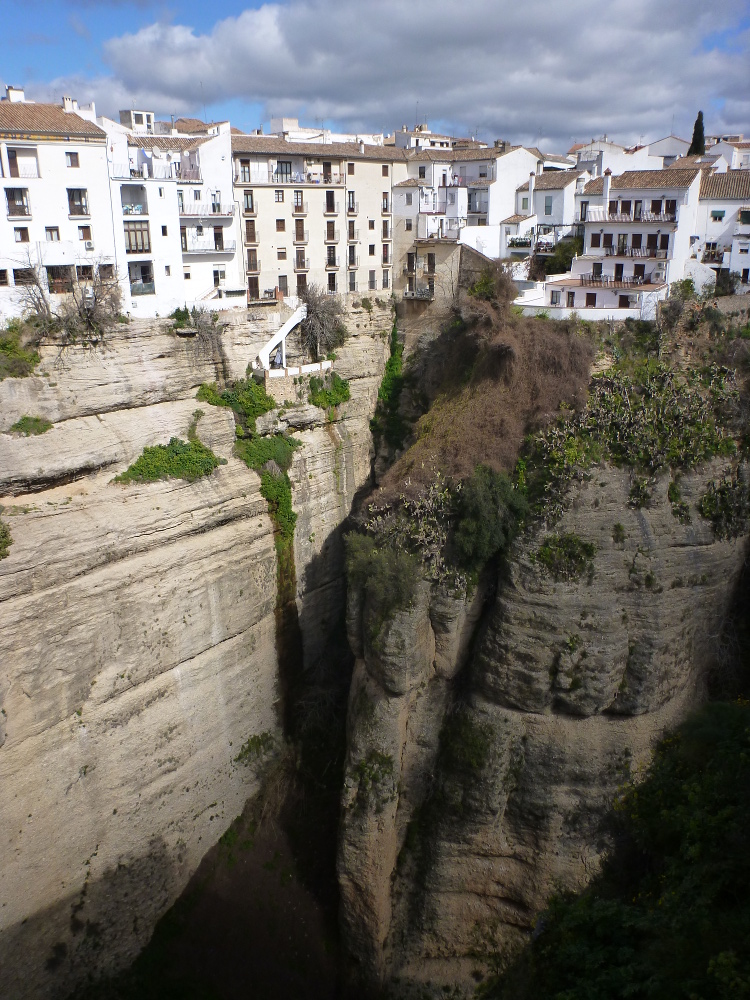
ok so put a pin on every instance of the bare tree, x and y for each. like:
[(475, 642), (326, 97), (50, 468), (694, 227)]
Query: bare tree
[(324, 328)]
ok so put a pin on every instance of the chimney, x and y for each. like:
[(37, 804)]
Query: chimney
[(67, 103), (14, 94), (605, 189), (532, 178), (361, 146)]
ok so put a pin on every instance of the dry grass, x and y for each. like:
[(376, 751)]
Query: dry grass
[(488, 380)]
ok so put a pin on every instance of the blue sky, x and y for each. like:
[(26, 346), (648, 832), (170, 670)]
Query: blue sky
[(540, 71)]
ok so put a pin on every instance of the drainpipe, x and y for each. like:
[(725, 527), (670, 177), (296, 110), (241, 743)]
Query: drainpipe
[(605, 191)]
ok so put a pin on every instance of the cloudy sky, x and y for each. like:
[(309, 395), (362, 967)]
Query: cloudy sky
[(537, 71)]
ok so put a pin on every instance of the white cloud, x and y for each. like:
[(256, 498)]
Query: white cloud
[(532, 71)]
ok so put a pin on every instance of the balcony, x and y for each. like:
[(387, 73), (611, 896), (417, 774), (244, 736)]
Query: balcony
[(607, 281), (246, 209), (134, 208), (78, 211), (386, 208), (635, 252), (253, 265), (388, 233), (142, 288), (333, 263), (300, 209), (352, 262), (16, 211), (25, 171), (332, 209), (302, 264), (301, 237), (353, 236), (713, 257), (426, 294), (332, 237), (60, 286), (228, 246), (520, 241), (352, 208), (204, 209), (251, 237)]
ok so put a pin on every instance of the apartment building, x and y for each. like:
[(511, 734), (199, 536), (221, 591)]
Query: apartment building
[(55, 219), (315, 213), (453, 196), (638, 237), (723, 223)]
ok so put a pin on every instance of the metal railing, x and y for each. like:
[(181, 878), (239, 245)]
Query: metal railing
[(352, 208), (133, 208), (19, 211), (142, 288), (419, 293), (207, 208), (228, 246), (301, 264), (352, 262), (303, 238), (332, 238), (607, 281), (332, 210), (300, 209), (633, 252), (333, 262), (253, 265), (78, 210), (519, 241), (251, 238), (353, 236)]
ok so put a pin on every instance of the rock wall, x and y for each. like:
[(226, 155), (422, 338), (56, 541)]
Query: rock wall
[(459, 824), (137, 631)]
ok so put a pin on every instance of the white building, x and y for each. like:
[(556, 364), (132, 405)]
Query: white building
[(602, 154), (723, 223), (56, 215), (291, 130), (545, 211)]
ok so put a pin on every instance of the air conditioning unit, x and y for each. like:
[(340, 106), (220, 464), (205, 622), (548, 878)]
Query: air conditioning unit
[(89, 244)]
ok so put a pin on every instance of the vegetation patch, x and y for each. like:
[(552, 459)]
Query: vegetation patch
[(669, 914), (375, 780), (179, 459), (490, 510), (255, 748), (388, 421), (566, 557), (618, 533), (17, 360), (680, 509), (328, 392), (5, 540), (726, 505), (31, 425), (246, 398), (255, 452), (387, 576), (466, 743)]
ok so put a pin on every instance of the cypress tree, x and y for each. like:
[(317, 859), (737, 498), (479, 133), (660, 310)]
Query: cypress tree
[(698, 145)]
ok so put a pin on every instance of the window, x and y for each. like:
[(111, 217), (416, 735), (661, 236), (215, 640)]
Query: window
[(253, 287), (352, 256), (385, 229), (18, 201), (71, 160), (249, 205), (281, 225), (164, 230), (385, 279), (548, 204), (281, 254), (744, 216), (3, 277), (371, 224), (625, 207), (330, 201), (744, 249), (350, 169), (24, 275), (21, 235), (301, 283), (78, 201), (284, 171), (53, 234), (584, 210), (596, 239), (106, 272), (300, 260), (607, 241), (138, 119), (330, 230), (422, 172), (186, 274), (408, 198), (278, 194), (386, 202), (244, 171), (137, 237), (571, 300), (331, 282), (161, 192), (371, 249), (183, 238), (250, 230), (651, 241), (407, 225), (613, 208), (283, 284), (385, 170), (386, 253), (85, 272), (524, 204), (656, 206), (636, 241), (555, 298), (352, 281), (351, 229), (84, 232), (196, 194), (717, 214), (639, 271), (596, 269), (330, 256), (371, 282), (431, 263), (252, 260), (591, 300), (351, 204), (199, 230), (299, 230), (298, 201), (664, 241)]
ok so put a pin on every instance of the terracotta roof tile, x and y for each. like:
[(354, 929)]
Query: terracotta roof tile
[(272, 145), (652, 179), (22, 118), (183, 143), (734, 184), (552, 180), (594, 186)]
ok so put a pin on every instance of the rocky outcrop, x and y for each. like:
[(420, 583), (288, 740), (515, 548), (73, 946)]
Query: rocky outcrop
[(477, 774), (137, 631)]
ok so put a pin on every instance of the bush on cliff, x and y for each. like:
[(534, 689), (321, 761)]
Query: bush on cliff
[(246, 398), (669, 915), (386, 575), (188, 460), (490, 510)]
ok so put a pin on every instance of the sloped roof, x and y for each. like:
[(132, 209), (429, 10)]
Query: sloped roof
[(731, 186), (273, 145), (21, 118), (513, 220), (552, 180), (684, 162), (408, 183), (182, 143), (594, 186), (191, 126), (652, 179)]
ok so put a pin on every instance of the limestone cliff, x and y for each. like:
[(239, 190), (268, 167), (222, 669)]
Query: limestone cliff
[(458, 824), (137, 632)]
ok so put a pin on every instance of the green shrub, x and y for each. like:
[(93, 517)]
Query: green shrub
[(727, 282), (640, 493), (255, 747), (15, 360), (388, 420), (176, 460), (566, 557), (181, 318), (256, 451), (668, 916), (483, 287), (5, 540), (367, 304), (562, 258), (465, 743), (727, 505), (490, 509), (31, 425), (376, 785), (328, 392), (246, 397), (277, 491), (618, 533), (388, 576), (680, 509)]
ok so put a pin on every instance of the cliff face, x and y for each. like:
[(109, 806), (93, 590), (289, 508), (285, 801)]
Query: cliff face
[(458, 825), (137, 632)]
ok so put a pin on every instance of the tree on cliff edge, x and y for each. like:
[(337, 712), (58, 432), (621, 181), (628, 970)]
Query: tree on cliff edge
[(698, 145)]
